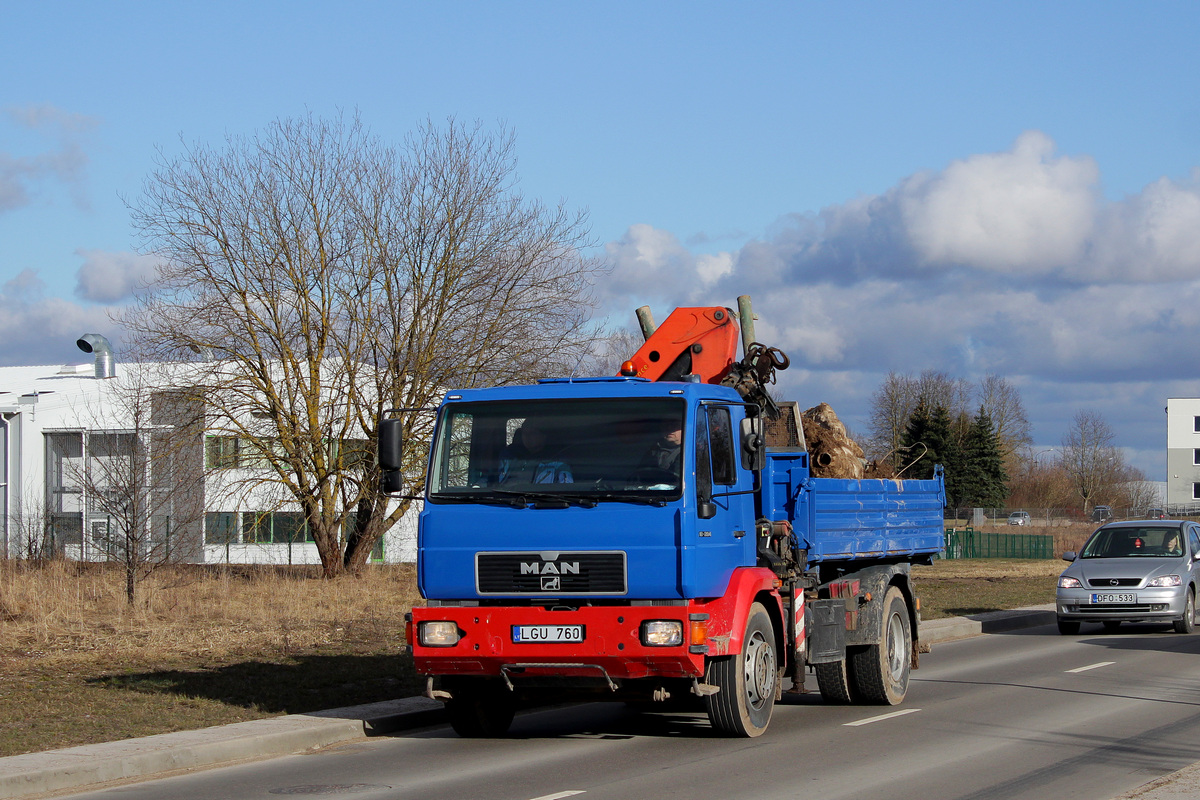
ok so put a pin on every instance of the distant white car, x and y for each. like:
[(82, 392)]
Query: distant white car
[(1018, 518)]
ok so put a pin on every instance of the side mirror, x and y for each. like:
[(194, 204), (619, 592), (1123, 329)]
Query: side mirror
[(753, 444), (391, 444), (1069, 555), (391, 481), (706, 509)]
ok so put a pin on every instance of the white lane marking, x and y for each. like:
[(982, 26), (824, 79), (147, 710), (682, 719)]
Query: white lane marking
[(560, 795), (881, 717), (1092, 666)]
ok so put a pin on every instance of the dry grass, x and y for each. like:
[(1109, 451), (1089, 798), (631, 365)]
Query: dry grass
[(207, 646), (974, 586), (202, 646)]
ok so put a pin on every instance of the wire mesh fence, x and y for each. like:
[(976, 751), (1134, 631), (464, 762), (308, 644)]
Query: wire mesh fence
[(970, 543)]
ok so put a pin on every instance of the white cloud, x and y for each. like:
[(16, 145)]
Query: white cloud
[(65, 161), (1023, 211), (42, 330), (110, 277), (1009, 263)]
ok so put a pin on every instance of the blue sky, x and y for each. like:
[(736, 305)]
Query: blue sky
[(1005, 187)]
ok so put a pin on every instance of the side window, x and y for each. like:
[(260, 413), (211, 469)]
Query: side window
[(703, 470), (1194, 538), (720, 431)]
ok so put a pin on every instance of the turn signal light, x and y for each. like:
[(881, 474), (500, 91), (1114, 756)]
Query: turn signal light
[(698, 632)]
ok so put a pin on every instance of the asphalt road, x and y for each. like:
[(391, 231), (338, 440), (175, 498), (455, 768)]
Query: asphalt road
[(1026, 714)]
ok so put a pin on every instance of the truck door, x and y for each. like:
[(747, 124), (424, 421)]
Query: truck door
[(725, 540)]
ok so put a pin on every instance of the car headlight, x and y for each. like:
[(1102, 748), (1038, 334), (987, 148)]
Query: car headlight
[(662, 632), (1067, 582), (438, 634), (1166, 580)]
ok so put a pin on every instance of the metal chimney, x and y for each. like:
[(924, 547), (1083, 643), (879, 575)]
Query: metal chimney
[(95, 343)]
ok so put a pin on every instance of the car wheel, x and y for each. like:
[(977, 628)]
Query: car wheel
[(1068, 627), (1187, 623)]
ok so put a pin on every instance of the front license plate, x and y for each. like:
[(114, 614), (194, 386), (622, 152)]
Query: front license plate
[(1100, 599), (547, 633)]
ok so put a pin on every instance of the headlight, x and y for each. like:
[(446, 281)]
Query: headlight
[(1067, 582), (1166, 580), (662, 633), (438, 634)]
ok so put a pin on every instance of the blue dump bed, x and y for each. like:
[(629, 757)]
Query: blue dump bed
[(836, 519)]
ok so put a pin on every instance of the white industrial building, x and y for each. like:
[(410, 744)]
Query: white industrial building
[(1183, 454), (58, 423)]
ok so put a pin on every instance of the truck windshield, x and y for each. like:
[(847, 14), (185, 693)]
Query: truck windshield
[(589, 450)]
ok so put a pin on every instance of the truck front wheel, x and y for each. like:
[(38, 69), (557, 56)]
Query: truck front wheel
[(880, 671), (747, 681), (480, 707)]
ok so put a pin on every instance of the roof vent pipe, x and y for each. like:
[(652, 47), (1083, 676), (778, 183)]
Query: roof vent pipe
[(95, 343)]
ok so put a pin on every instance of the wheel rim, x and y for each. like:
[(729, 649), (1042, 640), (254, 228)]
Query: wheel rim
[(760, 670), (895, 647)]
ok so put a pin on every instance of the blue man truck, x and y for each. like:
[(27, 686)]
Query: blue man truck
[(653, 540)]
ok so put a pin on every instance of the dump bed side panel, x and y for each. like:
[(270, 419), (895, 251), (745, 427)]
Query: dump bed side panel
[(836, 519)]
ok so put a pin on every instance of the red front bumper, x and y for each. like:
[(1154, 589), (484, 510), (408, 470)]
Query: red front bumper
[(611, 643)]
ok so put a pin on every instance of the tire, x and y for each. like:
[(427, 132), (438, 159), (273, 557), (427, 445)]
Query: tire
[(480, 708), (880, 672), (1187, 623), (833, 681), (1111, 625), (748, 681), (1068, 627)]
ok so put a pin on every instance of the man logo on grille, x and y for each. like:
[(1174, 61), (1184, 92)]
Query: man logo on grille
[(551, 583)]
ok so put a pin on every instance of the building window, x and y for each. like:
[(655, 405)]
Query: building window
[(1196, 455), (1196, 491), (220, 527), (274, 527), (1196, 424), (221, 452)]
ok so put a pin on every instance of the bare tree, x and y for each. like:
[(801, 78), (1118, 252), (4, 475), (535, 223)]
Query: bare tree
[(327, 277), (31, 528), (891, 406), (1089, 457), (1003, 403), (142, 475)]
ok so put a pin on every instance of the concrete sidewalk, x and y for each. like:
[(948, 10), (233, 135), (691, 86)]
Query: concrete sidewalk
[(79, 768)]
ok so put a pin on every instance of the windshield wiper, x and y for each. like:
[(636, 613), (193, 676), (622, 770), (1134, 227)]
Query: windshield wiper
[(547, 499), (636, 499), (486, 499)]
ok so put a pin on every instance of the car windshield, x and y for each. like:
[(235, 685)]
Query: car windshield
[(1134, 542), (559, 451)]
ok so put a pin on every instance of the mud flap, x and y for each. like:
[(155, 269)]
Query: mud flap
[(826, 623)]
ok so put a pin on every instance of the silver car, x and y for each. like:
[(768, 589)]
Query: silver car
[(1136, 571)]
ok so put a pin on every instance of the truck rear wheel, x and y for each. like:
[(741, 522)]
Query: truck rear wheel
[(880, 671), (480, 708), (833, 681), (747, 681)]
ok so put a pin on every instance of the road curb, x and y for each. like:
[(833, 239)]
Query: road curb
[(951, 628), (89, 766)]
